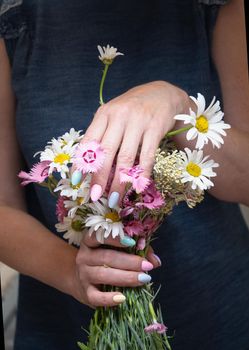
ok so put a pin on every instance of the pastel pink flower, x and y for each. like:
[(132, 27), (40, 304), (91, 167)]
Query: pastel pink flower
[(89, 157), (38, 173), (133, 176), (141, 243), (61, 211), (134, 228), (156, 327), (150, 225), (151, 198)]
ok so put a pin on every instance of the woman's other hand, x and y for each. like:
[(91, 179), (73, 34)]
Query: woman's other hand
[(96, 266)]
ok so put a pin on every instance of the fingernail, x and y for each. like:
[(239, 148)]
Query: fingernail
[(119, 298), (147, 266), (144, 278), (158, 259), (127, 241), (113, 200), (96, 192), (76, 177)]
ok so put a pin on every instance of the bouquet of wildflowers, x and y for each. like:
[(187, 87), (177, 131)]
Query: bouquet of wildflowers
[(177, 176)]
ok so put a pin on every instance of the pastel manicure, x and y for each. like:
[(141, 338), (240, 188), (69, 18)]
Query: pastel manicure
[(127, 241), (158, 259), (96, 192), (113, 200), (144, 278), (147, 266), (76, 177), (119, 298)]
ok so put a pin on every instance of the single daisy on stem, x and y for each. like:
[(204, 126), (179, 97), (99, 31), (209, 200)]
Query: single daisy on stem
[(207, 123), (107, 55)]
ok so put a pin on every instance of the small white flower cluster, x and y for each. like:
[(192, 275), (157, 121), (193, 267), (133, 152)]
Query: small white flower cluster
[(59, 152), (206, 125), (75, 211)]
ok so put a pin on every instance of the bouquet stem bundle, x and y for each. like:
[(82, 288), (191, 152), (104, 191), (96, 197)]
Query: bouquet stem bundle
[(122, 327)]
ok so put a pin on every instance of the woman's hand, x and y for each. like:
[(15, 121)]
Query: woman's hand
[(97, 266), (139, 117)]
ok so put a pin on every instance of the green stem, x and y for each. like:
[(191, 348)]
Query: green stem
[(178, 131), (101, 101), (152, 312)]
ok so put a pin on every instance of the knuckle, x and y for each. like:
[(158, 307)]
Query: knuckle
[(147, 159), (90, 298), (109, 148), (102, 110), (125, 157), (106, 256), (100, 275), (124, 108), (104, 299), (130, 278), (80, 257)]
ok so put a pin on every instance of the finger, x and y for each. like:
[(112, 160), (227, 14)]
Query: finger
[(110, 143), (126, 157), (97, 128), (94, 132), (151, 140), (92, 242), (118, 260), (153, 258), (97, 298), (116, 277)]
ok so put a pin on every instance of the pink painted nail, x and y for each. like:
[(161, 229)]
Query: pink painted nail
[(158, 259), (147, 266), (96, 192)]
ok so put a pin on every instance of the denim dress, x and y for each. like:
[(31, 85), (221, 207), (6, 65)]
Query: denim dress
[(55, 74)]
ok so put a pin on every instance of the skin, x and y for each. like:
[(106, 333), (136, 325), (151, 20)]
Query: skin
[(141, 116)]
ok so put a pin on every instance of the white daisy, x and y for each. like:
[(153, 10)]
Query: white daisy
[(60, 157), (197, 170), (108, 53), (73, 205), (104, 221), (80, 192), (74, 229), (72, 136), (207, 123)]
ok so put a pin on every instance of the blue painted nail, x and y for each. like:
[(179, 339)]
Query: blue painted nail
[(113, 200), (76, 177), (144, 278), (127, 241)]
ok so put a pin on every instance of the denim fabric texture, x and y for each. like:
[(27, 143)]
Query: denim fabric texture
[(56, 74)]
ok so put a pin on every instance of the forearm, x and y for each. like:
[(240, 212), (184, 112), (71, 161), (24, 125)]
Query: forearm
[(26, 245)]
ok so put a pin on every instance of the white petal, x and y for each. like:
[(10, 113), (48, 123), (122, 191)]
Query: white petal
[(191, 134)]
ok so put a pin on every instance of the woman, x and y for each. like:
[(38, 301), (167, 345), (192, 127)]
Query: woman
[(171, 51)]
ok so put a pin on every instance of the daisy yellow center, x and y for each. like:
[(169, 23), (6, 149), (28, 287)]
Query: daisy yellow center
[(75, 187), (202, 124), (80, 200), (77, 225), (113, 216), (61, 158), (193, 169)]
